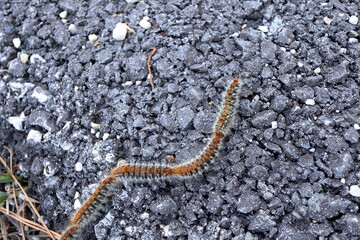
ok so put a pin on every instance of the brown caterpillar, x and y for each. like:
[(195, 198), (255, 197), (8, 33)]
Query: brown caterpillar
[(145, 172)]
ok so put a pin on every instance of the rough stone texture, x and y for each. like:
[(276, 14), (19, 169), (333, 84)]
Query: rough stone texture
[(288, 182)]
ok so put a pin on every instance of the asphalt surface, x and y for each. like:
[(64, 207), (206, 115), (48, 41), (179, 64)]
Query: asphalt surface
[(289, 168)]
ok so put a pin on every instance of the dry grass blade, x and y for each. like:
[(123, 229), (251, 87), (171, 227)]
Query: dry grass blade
[(25, 194), (28, 222), (149, 67)]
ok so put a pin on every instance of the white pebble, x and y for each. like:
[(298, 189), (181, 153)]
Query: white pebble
[(105, 136), (63, 14), (16, 42), (120, 31), (78, 167), (72, 28), (17, 122), (356, 126), (77, 204), (343, 181), (40, 95), (24, 58), (353, 20), (127, 83), (353, 40), (354, 191), (144, 23), (95, 125), (92, 38), (327, 20), (35, 57), (34, 135), (317, 70), (310, 102), (77, 195), (274, 124), (263, 29), (97, 135)]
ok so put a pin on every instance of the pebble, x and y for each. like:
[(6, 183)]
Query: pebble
[(352, 135), (34, 135), (310, 102), (92, 38), (95, 125), (327, 20), (72, 28), (353, 40), (40, 94), (77, 204), (17, 122), (35, 57), (317, 70), (263, 29), (16, 42), (274, 124), (120, 31), (356, 126), (24, 58), (105, 136), (354, 191), (263, 119), (63, 14), (78, 167), (42, 119), (354, 20), (144, 23)]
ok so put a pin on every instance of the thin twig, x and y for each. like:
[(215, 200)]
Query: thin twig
[(25, 194), (149, 67)]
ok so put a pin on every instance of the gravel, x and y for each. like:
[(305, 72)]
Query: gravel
[(288, 168)]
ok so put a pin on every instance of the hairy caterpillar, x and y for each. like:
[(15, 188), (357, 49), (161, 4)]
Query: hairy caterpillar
[(143, 172)]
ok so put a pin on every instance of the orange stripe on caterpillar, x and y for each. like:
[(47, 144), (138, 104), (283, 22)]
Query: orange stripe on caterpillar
[(97, 198), (71, 233)]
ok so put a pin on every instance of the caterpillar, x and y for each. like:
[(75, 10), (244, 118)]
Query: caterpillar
[(145, 172)]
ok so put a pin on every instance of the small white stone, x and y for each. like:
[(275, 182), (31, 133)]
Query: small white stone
[(300, 64), (354, 191), (97, 135), (274, 124), (34, 135), (317, 70), (17, 122), (24, 58), (105, 136), (16, 42), (66, 146), (138, 82), (283, 49), (343, 180), (310, 102), (72, 28), (63, 14), (353, 20), (292, 51), (263, 29), (353, 40), (40, 95), (77, 204), (356, 126), (327, 20), (144, 23), (77, 195), (144, 216), (95, 125), (92, 38), (120, 31), (127, 83), (35, 57), (78, 167), (235, 35)]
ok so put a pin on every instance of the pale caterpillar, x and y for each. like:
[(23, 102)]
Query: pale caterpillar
[(144, 172)]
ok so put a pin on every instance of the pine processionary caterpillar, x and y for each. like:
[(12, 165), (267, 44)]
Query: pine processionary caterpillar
[(143, 172)]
